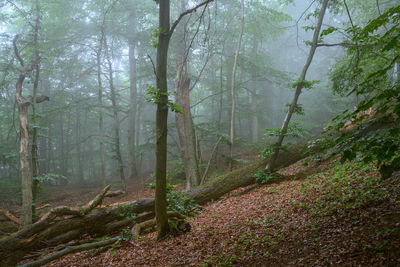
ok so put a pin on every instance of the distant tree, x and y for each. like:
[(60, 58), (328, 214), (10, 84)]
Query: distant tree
[(233, 94)]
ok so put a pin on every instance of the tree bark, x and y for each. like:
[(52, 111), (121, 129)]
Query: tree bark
[(161, 121), (271, 162), (132, 89), (34, 147), (233, 94)]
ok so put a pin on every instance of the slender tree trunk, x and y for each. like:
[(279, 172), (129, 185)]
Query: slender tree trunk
[(115, 117), (62, 163), (101, 127), (132, 90), (45, 143), (184, 122), (253, 106), (161, 121), (271, 162), (162, 114), (78, 142), (34, 147), (233, 94)]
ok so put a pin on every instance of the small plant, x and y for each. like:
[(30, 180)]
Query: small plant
[(263, 176), (52, 178), (180, 203), (126, 234), (125, 211), (153, 186)]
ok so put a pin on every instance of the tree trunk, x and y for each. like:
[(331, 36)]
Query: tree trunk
[(162, 113), (184, 122), (271, 162), (115, 117), (78, 142), (233, 94), (253, 105), (132, 89), (101, 127), (26, 175), (161, 121), (34, 147)]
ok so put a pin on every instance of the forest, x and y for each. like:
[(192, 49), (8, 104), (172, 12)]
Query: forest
[(200, 133)]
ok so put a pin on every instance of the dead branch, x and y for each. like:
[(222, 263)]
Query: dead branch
[(43, 206), (64, 210), (9, 216), (71, 249), (176, 22)]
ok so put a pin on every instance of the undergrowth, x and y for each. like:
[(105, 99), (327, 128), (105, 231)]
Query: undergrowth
[(345, 186)]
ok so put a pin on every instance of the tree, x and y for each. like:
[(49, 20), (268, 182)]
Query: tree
[(132, 28), (26, 175), (299, 86), (165, 33), (34, 147), (233, 95), (184, 121)]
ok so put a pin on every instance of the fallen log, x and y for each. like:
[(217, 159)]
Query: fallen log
[(91, 220)]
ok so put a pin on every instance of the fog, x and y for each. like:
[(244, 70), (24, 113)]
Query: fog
[(111, 45)]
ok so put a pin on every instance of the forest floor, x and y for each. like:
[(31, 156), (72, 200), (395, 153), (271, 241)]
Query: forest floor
[(329, 214)]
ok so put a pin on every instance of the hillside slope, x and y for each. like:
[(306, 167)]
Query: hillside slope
[(342, 215)]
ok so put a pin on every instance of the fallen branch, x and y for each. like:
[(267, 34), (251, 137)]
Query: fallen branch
[(64, 210), (69, 250), (9, 216), (43, 207)]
